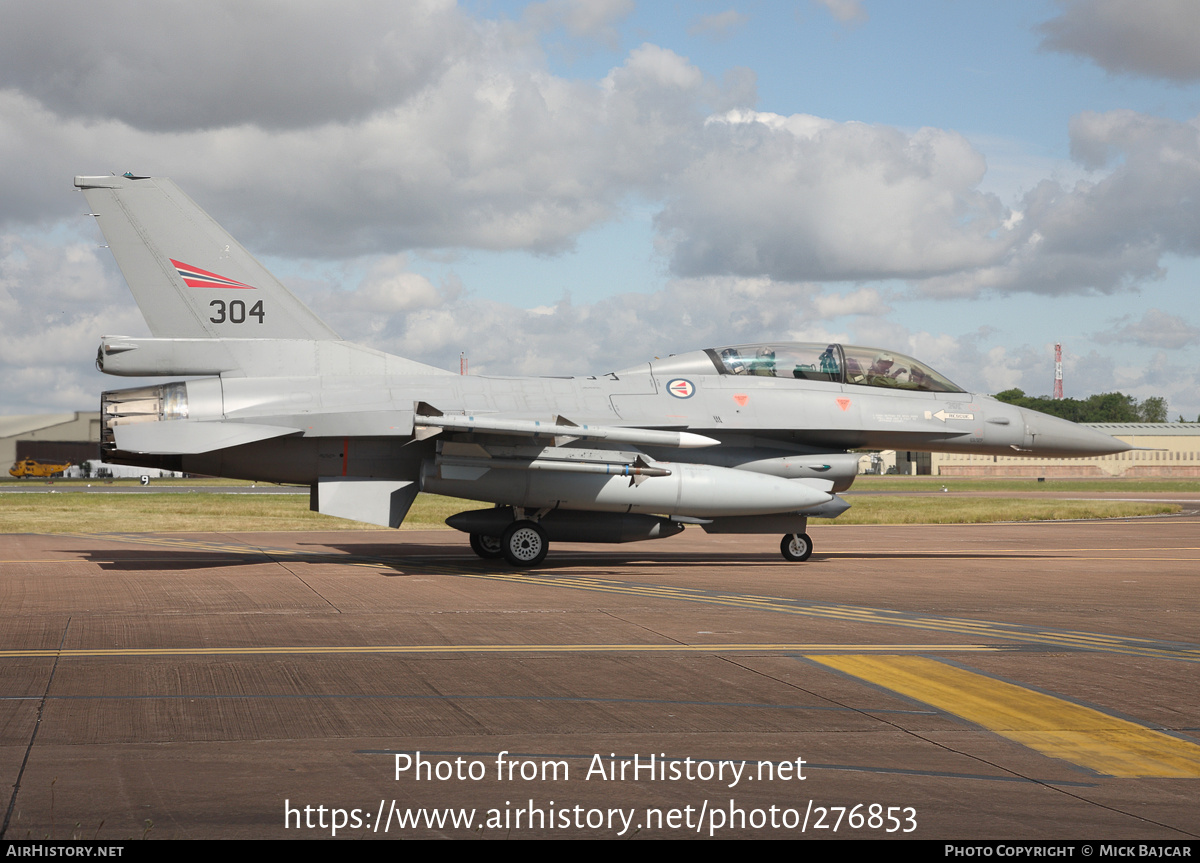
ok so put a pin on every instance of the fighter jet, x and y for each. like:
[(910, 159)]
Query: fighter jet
[(747, 438)]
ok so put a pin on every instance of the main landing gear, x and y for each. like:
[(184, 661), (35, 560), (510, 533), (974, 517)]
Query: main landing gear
[(796, 547), (523, 544), (487, 547)]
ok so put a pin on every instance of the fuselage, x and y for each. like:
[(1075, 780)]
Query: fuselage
[(763, 422)]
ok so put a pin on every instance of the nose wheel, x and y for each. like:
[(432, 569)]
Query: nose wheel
[(524, 544), (796, 547)]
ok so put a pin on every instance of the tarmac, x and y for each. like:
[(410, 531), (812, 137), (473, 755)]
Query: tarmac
[(1006, 681)]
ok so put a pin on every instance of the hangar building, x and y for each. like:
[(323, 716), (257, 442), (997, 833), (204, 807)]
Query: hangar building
[(1164, 450), (73, 437)]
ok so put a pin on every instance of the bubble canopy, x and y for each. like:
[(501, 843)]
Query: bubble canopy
[(833, 363)]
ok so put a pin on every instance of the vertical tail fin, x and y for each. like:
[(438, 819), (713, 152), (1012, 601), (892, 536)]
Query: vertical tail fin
[(190, 278)]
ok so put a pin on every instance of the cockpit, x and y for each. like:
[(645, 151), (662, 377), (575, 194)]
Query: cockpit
[(833, 363)]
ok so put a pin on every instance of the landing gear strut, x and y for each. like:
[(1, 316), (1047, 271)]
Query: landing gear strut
[(796, 546)]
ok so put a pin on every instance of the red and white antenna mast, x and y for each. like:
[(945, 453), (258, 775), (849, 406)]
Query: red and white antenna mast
[(462, 362), (1058, 371)]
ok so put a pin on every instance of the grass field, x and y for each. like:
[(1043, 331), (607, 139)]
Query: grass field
[(63, 512), (953, 483), (167, 511), (901, 509)]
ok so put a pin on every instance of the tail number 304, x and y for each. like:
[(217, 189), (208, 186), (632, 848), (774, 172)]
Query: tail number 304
[(235, 312)]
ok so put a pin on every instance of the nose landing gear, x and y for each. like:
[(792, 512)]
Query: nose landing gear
[(796, 547)]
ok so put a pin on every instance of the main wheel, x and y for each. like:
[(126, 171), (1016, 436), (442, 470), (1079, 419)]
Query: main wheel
[(487, 547), (524, 544), (796, 546)]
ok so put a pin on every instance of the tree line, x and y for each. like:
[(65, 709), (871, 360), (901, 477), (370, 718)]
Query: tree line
[(1103, 408)]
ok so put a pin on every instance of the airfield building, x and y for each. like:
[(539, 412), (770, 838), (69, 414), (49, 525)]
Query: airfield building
[(1163, 450), (67, 437)]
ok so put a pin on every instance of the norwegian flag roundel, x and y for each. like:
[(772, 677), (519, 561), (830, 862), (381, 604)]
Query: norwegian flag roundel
[(681, 388)]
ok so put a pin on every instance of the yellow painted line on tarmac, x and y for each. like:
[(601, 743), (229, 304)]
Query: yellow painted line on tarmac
[(502, 648), (1053, 726)]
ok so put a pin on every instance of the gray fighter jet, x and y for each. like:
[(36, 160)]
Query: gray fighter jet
[(738, 439)]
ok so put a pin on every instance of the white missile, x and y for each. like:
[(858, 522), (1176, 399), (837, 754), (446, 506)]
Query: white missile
[(535, 428)]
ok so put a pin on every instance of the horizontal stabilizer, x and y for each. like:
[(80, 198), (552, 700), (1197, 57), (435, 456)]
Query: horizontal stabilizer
[(184, 437)]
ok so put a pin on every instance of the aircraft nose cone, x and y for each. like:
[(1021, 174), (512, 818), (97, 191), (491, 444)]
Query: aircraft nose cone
[(1058, 437)]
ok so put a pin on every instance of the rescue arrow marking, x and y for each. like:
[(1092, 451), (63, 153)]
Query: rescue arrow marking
[(943, 415)]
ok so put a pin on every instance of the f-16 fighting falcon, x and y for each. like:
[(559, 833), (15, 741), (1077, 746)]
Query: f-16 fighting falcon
[(750, 438)]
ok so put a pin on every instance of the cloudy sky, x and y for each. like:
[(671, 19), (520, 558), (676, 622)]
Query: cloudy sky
[(574, 186)]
